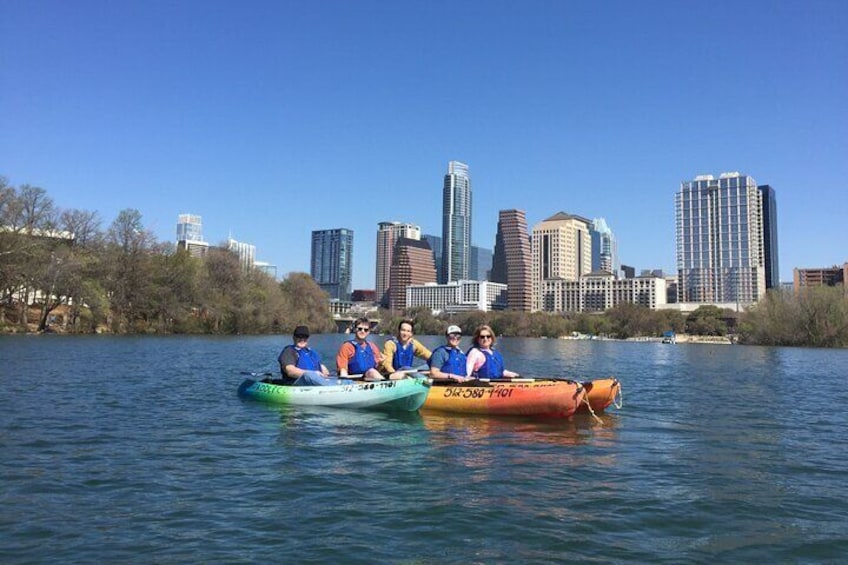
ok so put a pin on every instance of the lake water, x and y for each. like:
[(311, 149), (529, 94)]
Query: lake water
[(138, 449)]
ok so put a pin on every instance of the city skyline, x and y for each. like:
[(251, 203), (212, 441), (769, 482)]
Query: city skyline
[(598, 110)]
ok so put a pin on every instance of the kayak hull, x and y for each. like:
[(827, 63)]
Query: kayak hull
[(600, 394), (550, 399), (401, 395)]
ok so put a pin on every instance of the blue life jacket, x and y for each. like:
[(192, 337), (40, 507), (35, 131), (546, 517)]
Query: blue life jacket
[(307, 359), (455, 364), (362, 360), (493, 367), (404, 356)]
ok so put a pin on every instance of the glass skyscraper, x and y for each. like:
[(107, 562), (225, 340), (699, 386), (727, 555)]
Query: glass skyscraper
[(331, 265), (720, 254), (456, 223), (604, 247), (770, 236)]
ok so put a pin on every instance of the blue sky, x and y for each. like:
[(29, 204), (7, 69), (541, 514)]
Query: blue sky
[(271, 119)]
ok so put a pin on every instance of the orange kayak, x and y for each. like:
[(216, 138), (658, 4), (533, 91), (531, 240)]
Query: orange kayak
[(600, 394), (522, 397)]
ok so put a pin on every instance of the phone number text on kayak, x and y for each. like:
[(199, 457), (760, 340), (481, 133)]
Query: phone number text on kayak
[(473, 392)]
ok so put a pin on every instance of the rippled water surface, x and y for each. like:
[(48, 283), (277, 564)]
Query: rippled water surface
[(138, 448)]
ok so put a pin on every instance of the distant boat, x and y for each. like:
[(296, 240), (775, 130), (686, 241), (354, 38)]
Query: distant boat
[(669, 337)]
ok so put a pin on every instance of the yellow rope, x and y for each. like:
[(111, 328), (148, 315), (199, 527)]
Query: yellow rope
[(592, 412)]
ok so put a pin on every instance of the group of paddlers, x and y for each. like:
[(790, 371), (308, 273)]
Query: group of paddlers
[(360, 358)]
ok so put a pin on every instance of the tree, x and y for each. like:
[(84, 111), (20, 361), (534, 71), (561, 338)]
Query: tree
[(128, 252), (306, 304)]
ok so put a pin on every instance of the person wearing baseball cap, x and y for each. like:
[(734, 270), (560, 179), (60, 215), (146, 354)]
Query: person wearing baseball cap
[(301, 366), (448, 362)]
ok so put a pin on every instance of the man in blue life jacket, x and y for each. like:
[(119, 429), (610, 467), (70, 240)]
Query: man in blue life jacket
[(359, 356), (301, 366), (400, 351), (448, 362)]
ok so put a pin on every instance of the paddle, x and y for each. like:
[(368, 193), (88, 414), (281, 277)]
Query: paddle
[(255, 374)]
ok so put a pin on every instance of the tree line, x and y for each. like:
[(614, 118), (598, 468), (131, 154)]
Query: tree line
[(123, 280)]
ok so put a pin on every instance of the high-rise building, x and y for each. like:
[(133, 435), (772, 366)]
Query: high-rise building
[(412, 263), (332, 261), (770, 236), (479, 263), (604, 247), (435, 242), (512, 262), (190, 235), (387, 234), (561, 249), (456, 222), (245, 252), (720, 256)]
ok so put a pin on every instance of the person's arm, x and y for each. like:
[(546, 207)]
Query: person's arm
[(288, 364), (388, 356), (342, 358), (420, 351), (510, 374), (474, 361), (324, 370), (378, 357)]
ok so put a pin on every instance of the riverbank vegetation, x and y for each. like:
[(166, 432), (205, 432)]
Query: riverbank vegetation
[(60, 271)]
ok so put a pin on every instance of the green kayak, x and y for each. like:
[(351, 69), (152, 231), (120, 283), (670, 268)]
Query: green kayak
[(401, 395)]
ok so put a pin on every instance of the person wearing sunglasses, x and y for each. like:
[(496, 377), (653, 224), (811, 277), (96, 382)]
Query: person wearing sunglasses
[(448, 362), (399, 352), (359, 356), (301, 366), (483, 362)]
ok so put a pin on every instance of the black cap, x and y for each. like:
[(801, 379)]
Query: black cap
[(301, 331)]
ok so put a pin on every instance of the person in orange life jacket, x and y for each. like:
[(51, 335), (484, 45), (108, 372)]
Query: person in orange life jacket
[(359, 356), (448, 362), (482, 361), (301, 366), (399, 352)]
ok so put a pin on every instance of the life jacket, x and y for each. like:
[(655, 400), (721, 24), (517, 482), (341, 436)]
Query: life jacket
[(455, 364), (306, 358), (404, 356), (362, 360), (492, 368)]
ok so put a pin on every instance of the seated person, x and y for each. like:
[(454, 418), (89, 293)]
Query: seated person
[(399, 352), (448, 362), (359, 356), (483, 362), (301, 366)]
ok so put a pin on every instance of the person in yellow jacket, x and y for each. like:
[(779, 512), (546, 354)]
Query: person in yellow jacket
[(400, 351)]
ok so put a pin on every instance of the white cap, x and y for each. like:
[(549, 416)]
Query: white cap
[(453, 330)]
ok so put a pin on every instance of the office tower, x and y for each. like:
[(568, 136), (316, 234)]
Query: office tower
[(512, 263), (561, 249), (245, 252), (435, 242), (190, 235), (604, 247), (387, 234), (456, 222), (412, 263), (770, 236), (479, 263), (628, 272), (332, 261), (720, 240)]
